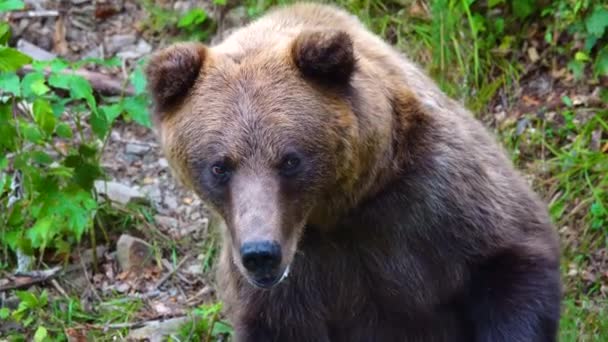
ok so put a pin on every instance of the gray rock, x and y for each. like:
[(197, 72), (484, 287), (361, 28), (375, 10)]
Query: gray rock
[(34, 51), (132, 253), (162, 162), (135, 51), (156, 331), (167, 222), (117, 192), (170, 202), (152, 192), (137, 149), (117, 42), (96, 52)]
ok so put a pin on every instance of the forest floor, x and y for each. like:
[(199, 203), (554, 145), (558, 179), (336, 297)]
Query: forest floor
[(554, 126)]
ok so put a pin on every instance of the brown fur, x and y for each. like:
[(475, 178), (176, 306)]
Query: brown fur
[(405, 220)]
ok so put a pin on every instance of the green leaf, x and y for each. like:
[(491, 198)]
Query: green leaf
[(193, 17), (5, 33), (42, 158), (27, 299), (43, 114), (30, 132), (137, 108), (8, 133), (33, 84), (597, 21), (80, 88), (601, 62), (138, 79), (111, 112), (221, 328), (9, 82), (11, 59), (42, 232), (58, 65), (41, 334), (577, 68), (4, 313), (523, 8), (99, 124), (581, 56), (64, 130), (11, 5)]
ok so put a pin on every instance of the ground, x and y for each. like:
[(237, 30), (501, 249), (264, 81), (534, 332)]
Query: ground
[(553, 123)]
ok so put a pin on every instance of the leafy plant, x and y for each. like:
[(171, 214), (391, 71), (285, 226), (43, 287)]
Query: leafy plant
[(52, 132), (205, 325)]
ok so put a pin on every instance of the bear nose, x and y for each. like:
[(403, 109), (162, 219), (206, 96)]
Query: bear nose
[(261, 256)]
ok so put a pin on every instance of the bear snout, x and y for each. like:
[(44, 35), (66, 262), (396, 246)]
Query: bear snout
[(262, 260)]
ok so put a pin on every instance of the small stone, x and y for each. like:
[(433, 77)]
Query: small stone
[(133, 253), (117, 42), (122, 287), (171, 202), (162, 162), (137, 149), (194, 269), (135, 51), (156, 331), (96, 52), (153, 192), (117, 192), (167, 221), (34, 51)]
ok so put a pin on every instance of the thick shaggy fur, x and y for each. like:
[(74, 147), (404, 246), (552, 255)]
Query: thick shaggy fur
[(406, 221)]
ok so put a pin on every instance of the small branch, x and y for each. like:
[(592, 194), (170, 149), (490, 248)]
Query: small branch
[(103, 84), (27, 279), (171, 272), (33, 14)]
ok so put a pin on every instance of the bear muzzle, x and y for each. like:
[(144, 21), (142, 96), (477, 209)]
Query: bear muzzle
[(262, 261)]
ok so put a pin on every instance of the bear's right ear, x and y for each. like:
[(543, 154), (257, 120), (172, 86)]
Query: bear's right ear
[(172, 71)]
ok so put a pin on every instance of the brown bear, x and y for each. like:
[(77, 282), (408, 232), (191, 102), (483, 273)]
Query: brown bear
[(360, 202)]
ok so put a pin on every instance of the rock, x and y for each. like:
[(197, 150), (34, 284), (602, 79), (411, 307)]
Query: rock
[(152, 192), (135, 51), (162, 162), (137, 149), (194, 269), (156, 331), (117, 42), (34, 51), (96, 52), (170, 202), (133, 253), (167, 222), (117, 192)]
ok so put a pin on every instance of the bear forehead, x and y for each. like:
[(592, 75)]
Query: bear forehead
[(255, 105)]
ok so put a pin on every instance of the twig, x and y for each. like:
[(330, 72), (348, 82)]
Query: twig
[(171, 272), (59, 288), (103, 84), (27, 279), (33, 14), (86, 276), (133, 325)]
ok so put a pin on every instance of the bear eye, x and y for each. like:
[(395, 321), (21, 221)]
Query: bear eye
[(290, 165), (220, 171)]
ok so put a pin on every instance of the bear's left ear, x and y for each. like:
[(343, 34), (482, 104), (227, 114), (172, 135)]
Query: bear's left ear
[(327, 56), (172, 71)]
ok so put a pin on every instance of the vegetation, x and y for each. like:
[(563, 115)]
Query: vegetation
[(488, 54)]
